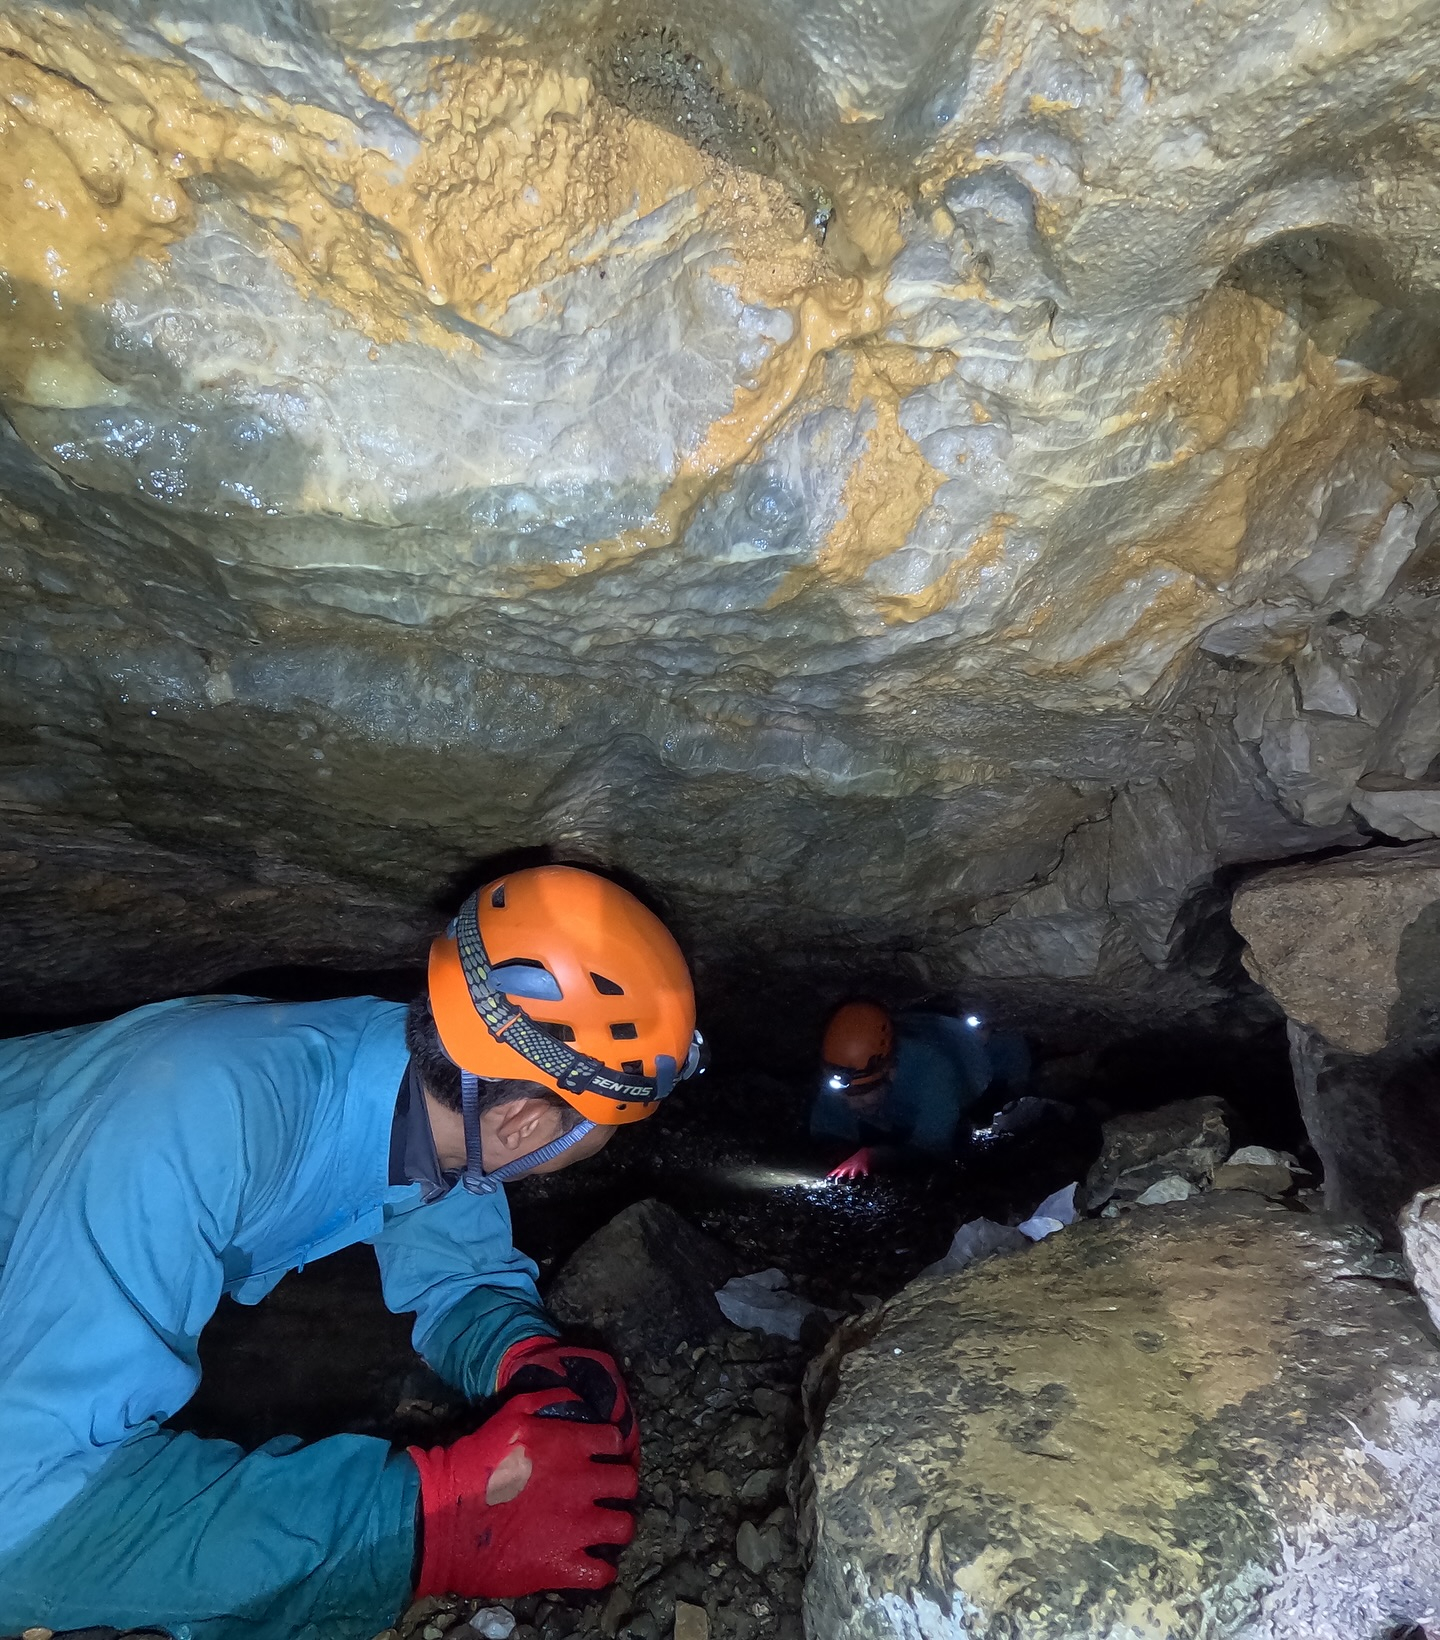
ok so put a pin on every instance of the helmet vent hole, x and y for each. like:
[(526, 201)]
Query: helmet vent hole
[(561, 1033), (607, 987), (637, 1066), (624, 1033), (497, 897)]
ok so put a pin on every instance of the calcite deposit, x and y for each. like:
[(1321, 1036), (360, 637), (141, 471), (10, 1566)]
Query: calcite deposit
[(926, 488)]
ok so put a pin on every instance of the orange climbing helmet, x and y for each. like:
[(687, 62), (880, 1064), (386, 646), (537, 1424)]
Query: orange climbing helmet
[(858, 1043), (558, 976)]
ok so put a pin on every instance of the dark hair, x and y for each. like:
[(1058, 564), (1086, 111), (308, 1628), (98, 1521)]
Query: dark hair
[(441, 1075)]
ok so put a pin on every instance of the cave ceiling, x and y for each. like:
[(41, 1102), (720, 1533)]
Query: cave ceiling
[(927, 488)]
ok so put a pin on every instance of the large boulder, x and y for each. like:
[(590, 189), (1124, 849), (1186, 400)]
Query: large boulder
[(643, 1283), (1200, 1420), (1349, 946)]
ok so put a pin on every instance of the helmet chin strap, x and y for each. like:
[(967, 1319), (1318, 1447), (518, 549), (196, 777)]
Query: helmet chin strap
[(475, 1179)]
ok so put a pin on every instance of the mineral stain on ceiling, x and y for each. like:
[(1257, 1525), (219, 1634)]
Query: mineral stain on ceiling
[(927, 492)]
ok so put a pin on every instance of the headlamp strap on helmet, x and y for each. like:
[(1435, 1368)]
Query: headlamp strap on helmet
[(570, 1070), (475, 1179)]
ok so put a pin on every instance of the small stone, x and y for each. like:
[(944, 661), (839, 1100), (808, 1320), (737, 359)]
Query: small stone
[(744, 1434), (1172, 1188), (755, 1549), (493, 1623), (616, 1610), (1264, 1181), (691, 1622), (1258, 1156), (37, 1634), (433, 1631), (760, 1484), (773, 1403), (716, 1484)]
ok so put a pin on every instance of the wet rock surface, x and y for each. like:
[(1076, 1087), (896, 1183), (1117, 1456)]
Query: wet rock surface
[(1213, 1417)]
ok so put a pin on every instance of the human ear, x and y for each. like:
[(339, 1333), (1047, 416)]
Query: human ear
[(521, 1123)]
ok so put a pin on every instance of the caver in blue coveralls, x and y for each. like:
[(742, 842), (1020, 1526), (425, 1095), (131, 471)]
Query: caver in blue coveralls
[(943, 1070), (147, 1166)]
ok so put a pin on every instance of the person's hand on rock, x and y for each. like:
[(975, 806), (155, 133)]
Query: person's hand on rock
[(548, 1363), (536, 1499)]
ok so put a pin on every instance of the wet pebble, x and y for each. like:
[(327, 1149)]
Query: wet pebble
[(691, 1622)]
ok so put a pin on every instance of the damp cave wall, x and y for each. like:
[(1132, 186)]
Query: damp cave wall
[(935, 494)]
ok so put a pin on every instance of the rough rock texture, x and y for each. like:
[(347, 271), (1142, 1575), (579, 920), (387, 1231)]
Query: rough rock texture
[(1349, 947), (644, 1283), (1371, 1119), (1420, 1237), (1188, 1139), (1202, 1419), (926, 487), (1263, 1180), (1407, 809)]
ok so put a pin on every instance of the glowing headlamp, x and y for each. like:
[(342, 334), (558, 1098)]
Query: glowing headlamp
[(974, 1021)]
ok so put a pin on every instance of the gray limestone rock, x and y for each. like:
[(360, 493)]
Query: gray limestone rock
[(1197, 1420), (1407, 809), (1349, 947), (1371, 1119), (1139, 1151), (644, 1282), (1420, 1238), (1256, 1176)]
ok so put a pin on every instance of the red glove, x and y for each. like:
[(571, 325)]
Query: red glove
[(529, 1502), (546, 1363), (853, 1167)]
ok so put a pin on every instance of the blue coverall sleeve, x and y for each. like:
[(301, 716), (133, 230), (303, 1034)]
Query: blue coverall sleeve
[(108, 1519), (203, 1538), (472, 1292)]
